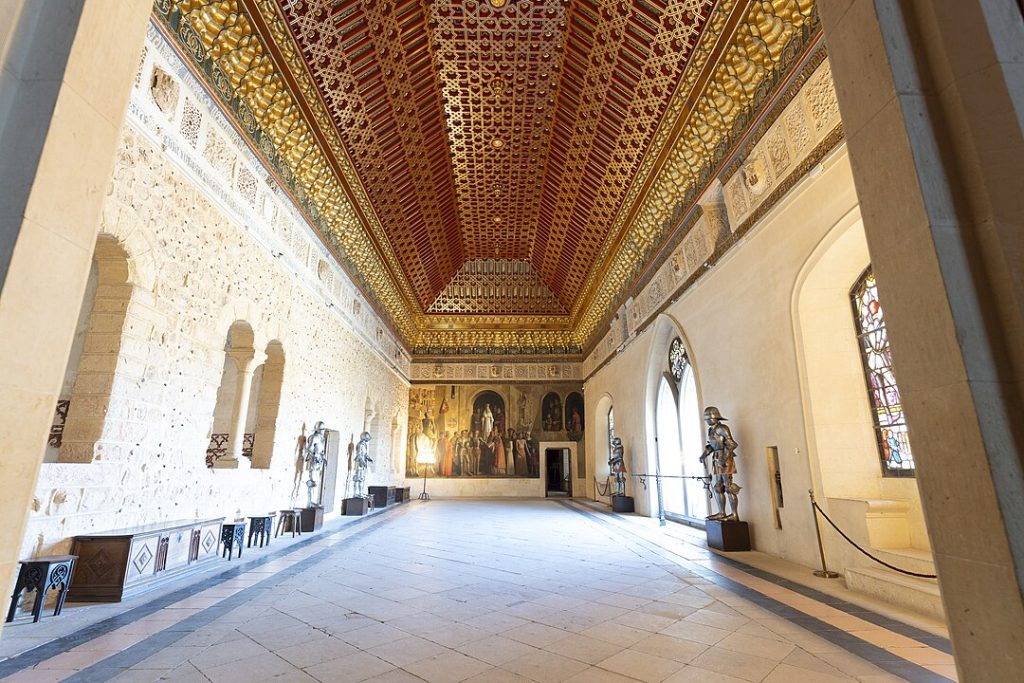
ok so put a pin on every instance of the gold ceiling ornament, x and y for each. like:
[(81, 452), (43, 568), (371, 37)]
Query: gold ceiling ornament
[(417, 136), (502, 286), (765, 47)]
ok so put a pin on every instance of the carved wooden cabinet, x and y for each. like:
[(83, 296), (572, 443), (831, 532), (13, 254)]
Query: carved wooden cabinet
[(113, 565)]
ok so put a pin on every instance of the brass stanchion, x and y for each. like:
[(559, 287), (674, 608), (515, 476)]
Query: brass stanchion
[(824, 572)]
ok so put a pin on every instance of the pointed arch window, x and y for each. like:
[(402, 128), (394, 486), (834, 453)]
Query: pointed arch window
[(611, 429), (883, 392)]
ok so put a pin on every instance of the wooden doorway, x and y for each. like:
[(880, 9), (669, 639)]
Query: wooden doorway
[(558, 481)]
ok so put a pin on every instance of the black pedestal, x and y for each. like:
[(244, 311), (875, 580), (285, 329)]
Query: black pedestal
[(354, 507), (382, 495), (312, 518), (622, 504), (402, 494), (727, 535)]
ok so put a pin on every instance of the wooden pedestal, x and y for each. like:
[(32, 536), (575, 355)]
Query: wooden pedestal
[(727, 535), (312, 518), (354, 507), (622, 504), (402, 494)]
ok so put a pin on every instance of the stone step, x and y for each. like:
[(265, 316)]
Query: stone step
[(918, 595), (911, 559)]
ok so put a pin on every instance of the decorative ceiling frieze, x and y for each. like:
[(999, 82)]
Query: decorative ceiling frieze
[(557, 142)]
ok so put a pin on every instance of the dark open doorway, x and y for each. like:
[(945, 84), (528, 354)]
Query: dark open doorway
[(559, 472)]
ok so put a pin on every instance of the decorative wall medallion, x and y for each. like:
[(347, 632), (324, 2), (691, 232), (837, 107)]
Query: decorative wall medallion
[(142, 559)]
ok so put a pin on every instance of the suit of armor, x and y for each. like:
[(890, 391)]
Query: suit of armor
[(721, 448), (617, 463)]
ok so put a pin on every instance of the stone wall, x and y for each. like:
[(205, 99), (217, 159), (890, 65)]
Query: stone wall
[(208, 240)]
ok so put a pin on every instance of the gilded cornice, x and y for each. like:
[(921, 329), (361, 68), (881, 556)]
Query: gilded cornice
[(766, 44)]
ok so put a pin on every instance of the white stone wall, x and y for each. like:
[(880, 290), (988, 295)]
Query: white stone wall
[(738, 325), (210, 240)]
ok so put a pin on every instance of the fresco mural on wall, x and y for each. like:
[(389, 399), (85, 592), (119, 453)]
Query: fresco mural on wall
[(552, 413), (478, 430), (574, 416)]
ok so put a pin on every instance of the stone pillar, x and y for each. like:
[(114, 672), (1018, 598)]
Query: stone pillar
[(244, 360), (66, 70), (932, 101)]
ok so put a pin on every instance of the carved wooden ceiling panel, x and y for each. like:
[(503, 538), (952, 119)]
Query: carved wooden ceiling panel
[(505, 132), (558, 142)]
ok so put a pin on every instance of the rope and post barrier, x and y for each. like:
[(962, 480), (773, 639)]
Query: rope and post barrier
[(824, 571)]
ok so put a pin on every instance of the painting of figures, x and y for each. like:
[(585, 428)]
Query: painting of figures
[(481, 430)]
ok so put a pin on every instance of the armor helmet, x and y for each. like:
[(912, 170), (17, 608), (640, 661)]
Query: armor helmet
[(365, 436), (712, 415)]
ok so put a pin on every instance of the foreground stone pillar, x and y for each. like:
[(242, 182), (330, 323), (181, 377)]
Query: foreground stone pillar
[(932, 99), (66, 69)]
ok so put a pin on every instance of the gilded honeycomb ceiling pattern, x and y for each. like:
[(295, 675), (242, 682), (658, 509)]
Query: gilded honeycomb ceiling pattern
[(487, 132), (564, 134), (483, 285)]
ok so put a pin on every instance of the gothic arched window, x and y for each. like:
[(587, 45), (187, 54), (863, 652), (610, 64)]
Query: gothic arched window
[(611, 429), (883, 392)]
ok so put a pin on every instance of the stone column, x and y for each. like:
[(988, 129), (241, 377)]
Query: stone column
[(932, 101), (66, 71), (245, 361)]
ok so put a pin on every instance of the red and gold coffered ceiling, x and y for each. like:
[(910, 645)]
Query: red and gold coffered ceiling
[(495, 175)]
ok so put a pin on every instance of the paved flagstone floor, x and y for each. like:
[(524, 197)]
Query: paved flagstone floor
[(492, 591)]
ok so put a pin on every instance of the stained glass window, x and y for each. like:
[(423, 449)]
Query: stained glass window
[(677, 359), (883, 392)]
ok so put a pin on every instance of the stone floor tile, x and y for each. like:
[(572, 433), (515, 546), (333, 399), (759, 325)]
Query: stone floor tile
[(670, 647), (403, 651), (260, 668), (736, 664), (496, 650), (584, 648), (39, 676), (450, 667), (596, 675), (784, 673), (545, 667), (708, 635), (709, 617), (645, 621), (752, 645), (498, 676), (351, 668), (695, 674), (315, 652), (170, 657), (618, 634), (640, 665), (536, 634), (371, 636)]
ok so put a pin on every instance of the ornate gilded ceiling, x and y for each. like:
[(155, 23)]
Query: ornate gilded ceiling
[(494, 175)]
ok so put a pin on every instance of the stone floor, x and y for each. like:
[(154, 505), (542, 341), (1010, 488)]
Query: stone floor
[(510, 591)]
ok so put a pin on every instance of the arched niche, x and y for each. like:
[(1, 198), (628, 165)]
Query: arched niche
[(90, 423), (600, 451), (842, 451), (267, 393), (551, 412), (238, 357)]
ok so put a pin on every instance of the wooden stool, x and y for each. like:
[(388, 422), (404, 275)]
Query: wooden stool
[(294, 515), (260, 526), (232, 534), (41, 574)]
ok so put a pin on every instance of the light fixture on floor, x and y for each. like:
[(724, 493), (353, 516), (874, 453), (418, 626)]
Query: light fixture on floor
[(425, 457)]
